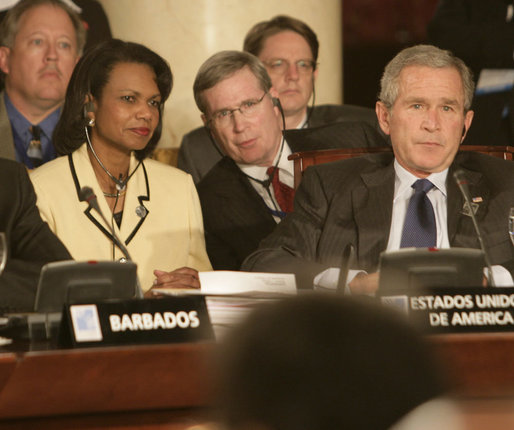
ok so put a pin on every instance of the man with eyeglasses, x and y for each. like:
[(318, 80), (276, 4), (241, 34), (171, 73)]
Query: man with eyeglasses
[(40, 43), (250, 190), (289, 49)]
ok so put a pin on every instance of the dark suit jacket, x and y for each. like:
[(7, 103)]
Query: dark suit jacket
[(30, 242), (7, 141), (235, 216), (351, 201), (198, 153)]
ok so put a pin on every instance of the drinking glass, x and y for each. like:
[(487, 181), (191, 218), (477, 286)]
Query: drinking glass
[(511, 224), (3, 252)]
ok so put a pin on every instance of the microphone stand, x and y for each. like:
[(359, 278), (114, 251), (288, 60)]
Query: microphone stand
[(87, 194), (462, 183)]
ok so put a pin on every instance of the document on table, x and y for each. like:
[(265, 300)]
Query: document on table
[(221, 282), (231, 295), (225, 282)]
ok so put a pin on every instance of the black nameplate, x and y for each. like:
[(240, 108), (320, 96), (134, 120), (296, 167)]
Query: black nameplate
[(135, 321), (458, 310)]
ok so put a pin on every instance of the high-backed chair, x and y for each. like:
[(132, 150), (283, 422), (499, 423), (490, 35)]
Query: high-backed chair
[(302, 160)]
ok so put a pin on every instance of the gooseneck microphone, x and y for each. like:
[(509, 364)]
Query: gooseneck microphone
[(462, 183), (87, 195)]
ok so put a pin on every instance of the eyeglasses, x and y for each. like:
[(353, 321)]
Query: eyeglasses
[(248, 108), (281, 66)]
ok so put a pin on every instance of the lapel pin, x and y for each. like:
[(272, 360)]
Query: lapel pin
[(474, 207), (141, 211)]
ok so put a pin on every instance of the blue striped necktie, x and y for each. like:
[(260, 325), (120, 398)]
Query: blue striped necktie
[(419, 228)]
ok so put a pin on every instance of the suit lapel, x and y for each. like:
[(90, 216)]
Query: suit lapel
[(373, 205), (135, 210), (137, 195), (460, 224), (246, 193), (83, 176), (7, 144)]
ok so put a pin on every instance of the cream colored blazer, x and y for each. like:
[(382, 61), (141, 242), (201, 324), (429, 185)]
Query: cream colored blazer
[(162, 223)]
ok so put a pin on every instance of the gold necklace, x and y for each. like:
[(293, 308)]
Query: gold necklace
[(115, 195)]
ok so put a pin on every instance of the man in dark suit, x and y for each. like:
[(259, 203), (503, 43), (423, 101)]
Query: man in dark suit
[(30, 243), (424, 106), (239, 199), (289, 49)]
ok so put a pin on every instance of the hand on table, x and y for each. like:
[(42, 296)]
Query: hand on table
[(364, 283), (183, 278)]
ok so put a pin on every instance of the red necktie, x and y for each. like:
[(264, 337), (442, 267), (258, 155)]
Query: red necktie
[(283, 193)]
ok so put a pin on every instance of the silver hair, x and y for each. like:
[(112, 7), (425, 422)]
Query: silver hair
[(223, 65), (423, 55)]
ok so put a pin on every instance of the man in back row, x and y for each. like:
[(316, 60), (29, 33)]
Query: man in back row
[(289, 49), (424, 107), (41, 41)]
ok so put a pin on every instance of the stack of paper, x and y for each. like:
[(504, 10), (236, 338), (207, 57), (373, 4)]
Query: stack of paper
[(231, 295)]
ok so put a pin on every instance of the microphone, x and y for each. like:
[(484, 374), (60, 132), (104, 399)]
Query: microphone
[(87, 194), (462, 183), (346, 263)]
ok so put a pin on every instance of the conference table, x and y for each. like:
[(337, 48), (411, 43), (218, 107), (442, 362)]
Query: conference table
[(168, 386)]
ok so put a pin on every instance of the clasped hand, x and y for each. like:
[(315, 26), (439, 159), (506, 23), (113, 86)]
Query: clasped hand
[(183, 278)]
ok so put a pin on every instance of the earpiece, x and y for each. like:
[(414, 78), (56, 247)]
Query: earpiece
[(89, 107), (276, 103)]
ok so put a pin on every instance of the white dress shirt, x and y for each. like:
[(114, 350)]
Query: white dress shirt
[(403, 191), (286, 175)]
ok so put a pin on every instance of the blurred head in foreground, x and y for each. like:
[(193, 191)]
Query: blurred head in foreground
[(321, 362)]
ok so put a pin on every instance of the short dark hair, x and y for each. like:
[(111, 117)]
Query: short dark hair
[(322, 362), (258, 34), (222, 65), (11, 21), (90, 76)]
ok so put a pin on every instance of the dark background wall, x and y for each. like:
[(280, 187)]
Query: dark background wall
[(373, 32)]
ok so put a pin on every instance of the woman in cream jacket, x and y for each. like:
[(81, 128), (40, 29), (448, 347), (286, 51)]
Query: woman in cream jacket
[(111, 121)]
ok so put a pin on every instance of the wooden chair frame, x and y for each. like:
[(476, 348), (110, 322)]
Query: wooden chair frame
[(304, 159)]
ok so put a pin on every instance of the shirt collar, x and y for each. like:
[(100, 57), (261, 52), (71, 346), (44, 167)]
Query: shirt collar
[(21, 124), (404, 179), (303, 122), (259, 172)]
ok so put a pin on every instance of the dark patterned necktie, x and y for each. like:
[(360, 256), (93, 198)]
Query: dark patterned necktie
[(419, 229), (283, 193), (34, 150)]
